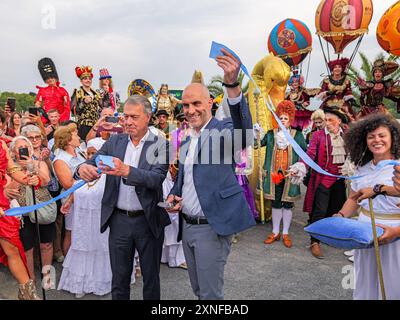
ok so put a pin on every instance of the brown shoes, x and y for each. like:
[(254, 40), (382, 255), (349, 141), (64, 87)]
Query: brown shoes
[(272, 237), (287, 241), (316, 250)]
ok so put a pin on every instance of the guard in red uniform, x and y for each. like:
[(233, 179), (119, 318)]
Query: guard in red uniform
[(53, 96)]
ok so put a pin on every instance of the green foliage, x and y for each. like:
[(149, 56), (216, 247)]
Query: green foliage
[(23, 100), (215, 85)]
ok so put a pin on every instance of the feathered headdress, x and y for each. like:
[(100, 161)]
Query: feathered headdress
[(84, 71)]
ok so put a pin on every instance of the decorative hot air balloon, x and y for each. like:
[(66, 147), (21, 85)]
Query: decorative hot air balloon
[(144, 88), (342, 21), (388, 31), (290, 40)]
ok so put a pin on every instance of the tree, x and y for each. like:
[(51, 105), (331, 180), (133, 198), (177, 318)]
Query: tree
[(365, 73), (23, 100), (215, 86)]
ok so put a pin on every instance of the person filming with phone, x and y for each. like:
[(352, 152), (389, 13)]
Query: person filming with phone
[(105, 126)]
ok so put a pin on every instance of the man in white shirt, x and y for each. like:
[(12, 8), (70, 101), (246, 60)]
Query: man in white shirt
[(211, 201), (129, 206)]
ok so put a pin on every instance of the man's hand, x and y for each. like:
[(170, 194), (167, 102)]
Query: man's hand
[(120, 169), (174, 200), (390, 234), (231, 67), (88, 172), (363, 194), (396, 178)]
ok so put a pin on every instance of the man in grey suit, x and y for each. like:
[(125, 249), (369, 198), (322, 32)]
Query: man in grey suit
[(129, 206), (211, 201)]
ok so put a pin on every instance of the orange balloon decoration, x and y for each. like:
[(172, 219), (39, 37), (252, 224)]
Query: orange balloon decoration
[(388, 31), (342, 21)]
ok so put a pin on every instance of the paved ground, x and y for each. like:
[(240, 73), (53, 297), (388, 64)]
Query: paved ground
[(254, 271)]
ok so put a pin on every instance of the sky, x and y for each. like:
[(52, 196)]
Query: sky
[(159, 41)]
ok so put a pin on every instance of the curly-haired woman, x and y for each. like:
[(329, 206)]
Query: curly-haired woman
[(369, 141)]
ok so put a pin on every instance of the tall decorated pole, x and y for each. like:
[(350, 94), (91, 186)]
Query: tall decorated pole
[(256, 94), (377, 253)]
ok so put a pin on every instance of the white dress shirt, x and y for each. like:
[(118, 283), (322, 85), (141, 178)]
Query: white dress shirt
[(127, 197), (190, 200)]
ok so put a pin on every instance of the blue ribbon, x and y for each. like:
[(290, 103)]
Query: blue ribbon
[(19, 211), (216, 51)]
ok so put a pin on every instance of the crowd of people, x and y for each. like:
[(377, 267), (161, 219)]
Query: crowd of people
[(142, 211)]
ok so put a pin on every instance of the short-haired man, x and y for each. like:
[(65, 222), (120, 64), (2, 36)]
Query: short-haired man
[(212, 204), (129, 206)]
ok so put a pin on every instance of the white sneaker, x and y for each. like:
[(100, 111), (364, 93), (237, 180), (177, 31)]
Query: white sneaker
[(60, 259), (349, 253), (351, 259), (79, 295)]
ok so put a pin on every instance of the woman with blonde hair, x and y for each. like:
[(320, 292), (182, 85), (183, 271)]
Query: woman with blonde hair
[(68, 158)]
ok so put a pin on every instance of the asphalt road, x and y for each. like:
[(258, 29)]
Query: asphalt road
[(253, 271)]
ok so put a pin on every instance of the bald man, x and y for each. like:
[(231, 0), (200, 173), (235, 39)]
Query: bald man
[(211, 202)]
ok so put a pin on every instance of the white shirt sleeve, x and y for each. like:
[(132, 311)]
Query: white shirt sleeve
[(233, 101)]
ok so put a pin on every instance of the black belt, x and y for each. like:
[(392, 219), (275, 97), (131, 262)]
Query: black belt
[(194, 220), (131, 214)]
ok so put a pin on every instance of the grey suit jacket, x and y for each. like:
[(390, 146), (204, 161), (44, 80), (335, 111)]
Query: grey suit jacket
[(147, 178)]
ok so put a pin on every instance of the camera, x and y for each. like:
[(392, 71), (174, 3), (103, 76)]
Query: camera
[(112, 119), (33, 110), (11, 103), (23, 153)]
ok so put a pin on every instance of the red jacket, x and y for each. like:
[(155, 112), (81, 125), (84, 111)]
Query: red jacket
[(320, 150), (54, 98)]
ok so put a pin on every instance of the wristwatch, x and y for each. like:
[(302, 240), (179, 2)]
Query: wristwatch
[(231, 85), (378, 189)]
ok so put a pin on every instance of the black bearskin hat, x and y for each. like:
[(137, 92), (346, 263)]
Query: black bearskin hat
[(47, 69)]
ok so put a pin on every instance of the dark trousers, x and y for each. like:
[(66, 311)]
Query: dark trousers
[(328, 202), (126, 235)]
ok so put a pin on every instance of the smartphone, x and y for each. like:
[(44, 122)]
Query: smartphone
[(11, 102), (33, 110), (112, 119), (23, 153)]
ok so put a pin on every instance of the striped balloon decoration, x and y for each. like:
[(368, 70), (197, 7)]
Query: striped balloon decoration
[(290, 40), (340, 22)]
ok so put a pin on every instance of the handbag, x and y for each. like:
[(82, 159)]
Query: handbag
[(47, 214)]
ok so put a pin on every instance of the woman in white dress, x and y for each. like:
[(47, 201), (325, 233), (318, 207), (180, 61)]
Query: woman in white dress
[(87, 267), (374, 139)]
